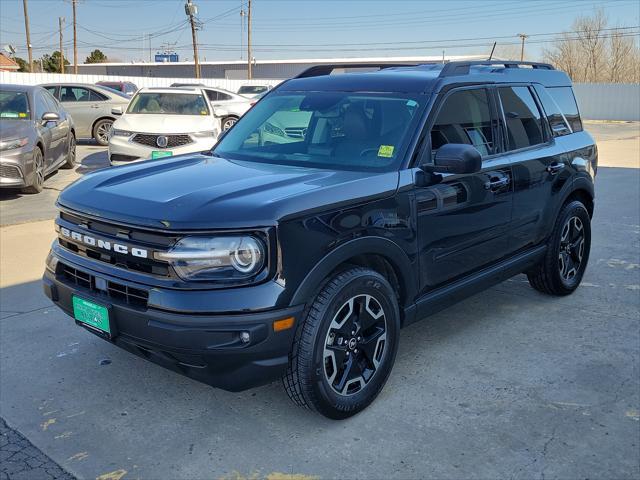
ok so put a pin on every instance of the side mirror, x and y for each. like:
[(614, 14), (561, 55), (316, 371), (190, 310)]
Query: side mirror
[(457, 158), (50, 117), (116, 111)]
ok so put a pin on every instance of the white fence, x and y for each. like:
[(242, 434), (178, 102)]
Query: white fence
[(38, 78), (608, 101), (597, 101)]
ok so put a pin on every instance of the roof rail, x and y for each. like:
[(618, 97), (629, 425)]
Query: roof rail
[(319, 70), (463, 67)]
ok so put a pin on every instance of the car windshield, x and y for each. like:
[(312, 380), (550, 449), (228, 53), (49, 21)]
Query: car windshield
[(252, 89), (335, 130), (14, 105), (167, 103)]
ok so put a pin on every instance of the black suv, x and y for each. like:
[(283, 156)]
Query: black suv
[(339, 209)]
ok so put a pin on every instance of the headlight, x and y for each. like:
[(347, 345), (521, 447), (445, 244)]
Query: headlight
[(13, 144), (216, 258), (208, 133), (120, 133), (271, 128)]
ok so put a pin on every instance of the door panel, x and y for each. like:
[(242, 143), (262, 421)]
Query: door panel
[(463, 220), (76, 101)]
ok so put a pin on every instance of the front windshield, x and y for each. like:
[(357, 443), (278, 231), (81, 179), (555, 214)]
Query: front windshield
[(166, 103), (337, 130), (14, 105)]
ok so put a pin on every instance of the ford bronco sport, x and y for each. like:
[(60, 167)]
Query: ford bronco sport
[(339, 209)]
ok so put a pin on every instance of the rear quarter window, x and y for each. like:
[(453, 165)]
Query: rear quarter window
[(565, 99)]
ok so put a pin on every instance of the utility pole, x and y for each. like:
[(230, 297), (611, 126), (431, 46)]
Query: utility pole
[(242, 15), (60, 22), (75, 39), (191, 10), (523, 37), (249, 65), (28, 35)]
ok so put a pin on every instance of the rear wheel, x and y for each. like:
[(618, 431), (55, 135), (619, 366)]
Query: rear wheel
[(346, 346), (37, 184), (101, 131), (228, 122), (71, 153), (565, 261)]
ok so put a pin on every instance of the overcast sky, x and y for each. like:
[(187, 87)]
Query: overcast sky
[(302, 28)]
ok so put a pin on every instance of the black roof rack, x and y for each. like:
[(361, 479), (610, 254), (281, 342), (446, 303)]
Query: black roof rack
[(463, 67), (319, 70)]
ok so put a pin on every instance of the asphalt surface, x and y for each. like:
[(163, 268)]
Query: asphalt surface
[(507, 384)]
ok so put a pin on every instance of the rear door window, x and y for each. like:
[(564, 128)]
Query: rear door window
[(74, 94), (522, 117), (563, 96), (465, 117)]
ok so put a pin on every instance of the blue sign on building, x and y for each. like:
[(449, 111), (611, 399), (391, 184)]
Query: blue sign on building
[(166, 57)]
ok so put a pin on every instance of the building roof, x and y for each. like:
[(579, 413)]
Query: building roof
[(415, 59), (7, 63)]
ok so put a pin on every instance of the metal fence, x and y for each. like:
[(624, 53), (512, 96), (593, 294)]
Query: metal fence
[(608, 101), (38, 78)]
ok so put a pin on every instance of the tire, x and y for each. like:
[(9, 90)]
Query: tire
[(101, 131), (38, 177), (71, 154), (333, 370), (228, 122), (564, 264)]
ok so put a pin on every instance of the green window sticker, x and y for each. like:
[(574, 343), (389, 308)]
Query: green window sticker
[(385, 151)]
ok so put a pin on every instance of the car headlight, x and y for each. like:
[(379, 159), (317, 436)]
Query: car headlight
[(271, 128), (13, 144), (120, 133), (225, 258)]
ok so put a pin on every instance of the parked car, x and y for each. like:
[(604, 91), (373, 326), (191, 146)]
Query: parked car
[(128, 88), (233, 104), (37, 137), (411, 188), (90, 107), (161, 122), (251, 91)]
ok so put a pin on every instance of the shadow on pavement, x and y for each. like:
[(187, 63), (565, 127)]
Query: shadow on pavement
[(94, 161)]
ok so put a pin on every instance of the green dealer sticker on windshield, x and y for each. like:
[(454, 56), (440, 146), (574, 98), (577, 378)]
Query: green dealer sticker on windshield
[(385, 151)]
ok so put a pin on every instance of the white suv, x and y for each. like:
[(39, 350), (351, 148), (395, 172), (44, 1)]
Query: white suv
[(161, 122)]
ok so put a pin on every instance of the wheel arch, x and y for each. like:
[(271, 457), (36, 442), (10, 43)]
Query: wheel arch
[(95, 122), (380, 254)]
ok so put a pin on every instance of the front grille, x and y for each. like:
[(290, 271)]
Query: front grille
[(296, 132), (9, 171), (149, 240), (115, 291), (152, 140)]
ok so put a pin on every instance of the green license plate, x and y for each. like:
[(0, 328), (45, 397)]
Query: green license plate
[(160, 154), (92, 314)]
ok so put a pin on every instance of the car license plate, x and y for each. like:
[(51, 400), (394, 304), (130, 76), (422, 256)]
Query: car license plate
[(160, 154), (91, 314)]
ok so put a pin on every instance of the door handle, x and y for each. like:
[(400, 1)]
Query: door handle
[(555, 168), (497, 183), (95, 106)]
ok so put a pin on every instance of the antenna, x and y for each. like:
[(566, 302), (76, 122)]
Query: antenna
[(493, 49)]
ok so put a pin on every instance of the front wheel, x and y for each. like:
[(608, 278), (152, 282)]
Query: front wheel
[(71, 153), (564, 263), (345, 348), (37, 184), (101, 131)]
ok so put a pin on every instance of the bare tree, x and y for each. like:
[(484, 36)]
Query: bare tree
[(594, 53)]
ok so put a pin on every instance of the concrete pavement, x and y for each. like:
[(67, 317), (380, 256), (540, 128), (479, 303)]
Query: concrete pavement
[(507, 384)]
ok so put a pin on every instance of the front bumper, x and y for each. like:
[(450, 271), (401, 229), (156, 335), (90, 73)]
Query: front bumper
[(16, 167), (205, 347), (123, 150)]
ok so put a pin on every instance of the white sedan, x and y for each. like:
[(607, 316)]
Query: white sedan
[(161, 122)]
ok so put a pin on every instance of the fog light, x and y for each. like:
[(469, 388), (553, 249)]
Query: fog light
[(245, 337)]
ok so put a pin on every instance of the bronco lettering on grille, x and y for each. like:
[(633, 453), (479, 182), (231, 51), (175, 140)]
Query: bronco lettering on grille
[(104, 244)]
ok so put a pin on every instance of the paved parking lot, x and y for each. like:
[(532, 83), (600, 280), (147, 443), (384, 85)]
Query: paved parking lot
[(507, 384)]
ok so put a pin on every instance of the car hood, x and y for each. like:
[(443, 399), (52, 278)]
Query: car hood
[(196, 192), (13, 129), (165, 124)]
